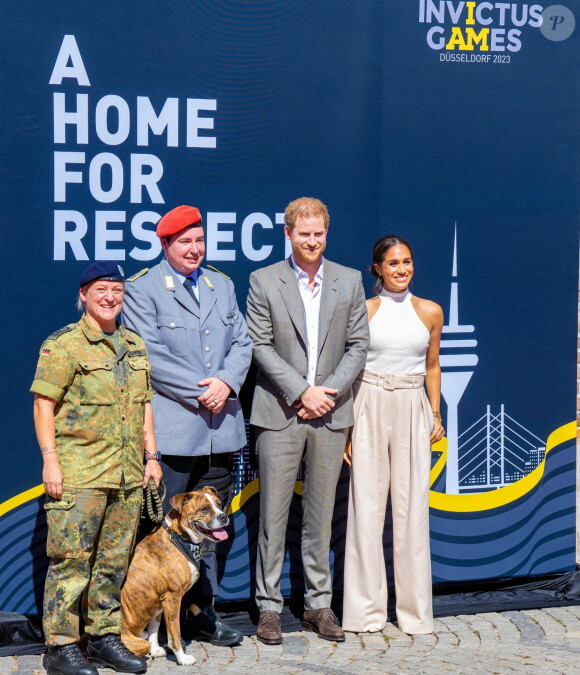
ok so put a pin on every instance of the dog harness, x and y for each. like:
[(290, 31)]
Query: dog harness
[(190, 550)]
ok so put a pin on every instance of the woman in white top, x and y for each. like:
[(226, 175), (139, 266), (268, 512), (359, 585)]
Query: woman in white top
[(396, 419)]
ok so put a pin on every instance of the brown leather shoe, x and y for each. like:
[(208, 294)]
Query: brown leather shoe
[(323, 622), (269, 631)]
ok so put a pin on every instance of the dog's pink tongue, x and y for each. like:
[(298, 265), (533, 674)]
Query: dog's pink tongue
[(220, 534)]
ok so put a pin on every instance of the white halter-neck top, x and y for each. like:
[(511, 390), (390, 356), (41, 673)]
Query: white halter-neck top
[(399, 339)]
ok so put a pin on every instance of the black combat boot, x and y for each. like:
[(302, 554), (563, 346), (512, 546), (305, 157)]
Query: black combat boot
[(208, 626), (109, 651), (68, 660)]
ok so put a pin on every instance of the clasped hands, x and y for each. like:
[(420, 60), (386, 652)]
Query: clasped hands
[(215, 396), (315, 402)]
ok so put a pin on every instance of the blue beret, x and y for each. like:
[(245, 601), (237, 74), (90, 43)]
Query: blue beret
[(102, 269)]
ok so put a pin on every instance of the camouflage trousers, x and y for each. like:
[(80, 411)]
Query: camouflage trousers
[(91, 533)]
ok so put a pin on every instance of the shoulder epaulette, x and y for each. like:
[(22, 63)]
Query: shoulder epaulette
[(131, 330), (139, 274), (211, 267), (60, 331)]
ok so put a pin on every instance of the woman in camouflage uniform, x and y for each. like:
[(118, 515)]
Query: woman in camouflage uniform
[(94, 425)]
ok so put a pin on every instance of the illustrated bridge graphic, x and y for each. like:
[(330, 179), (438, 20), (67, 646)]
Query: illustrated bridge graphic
[(497, 450)]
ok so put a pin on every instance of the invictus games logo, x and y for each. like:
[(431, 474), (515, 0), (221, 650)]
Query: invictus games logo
[(488, 29), (478, 26)]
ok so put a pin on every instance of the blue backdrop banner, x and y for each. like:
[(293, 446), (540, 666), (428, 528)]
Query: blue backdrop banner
[(453, 124)]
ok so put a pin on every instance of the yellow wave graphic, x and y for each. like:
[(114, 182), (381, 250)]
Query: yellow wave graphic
[(484, 501), (440, 446), (23, 497), (242, 497), (437, 500), (250, 490), (459, 503)]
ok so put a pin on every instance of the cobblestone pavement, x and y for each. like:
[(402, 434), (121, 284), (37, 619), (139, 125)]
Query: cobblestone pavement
[(531, 641)]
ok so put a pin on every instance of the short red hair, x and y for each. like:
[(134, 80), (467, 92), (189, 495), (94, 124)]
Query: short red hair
[(307, 207)]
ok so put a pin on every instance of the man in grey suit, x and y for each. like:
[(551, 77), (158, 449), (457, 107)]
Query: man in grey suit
[(307, 318), (200, 353)]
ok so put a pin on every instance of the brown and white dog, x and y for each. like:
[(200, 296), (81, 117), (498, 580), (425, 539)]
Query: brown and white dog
[(160, 573)]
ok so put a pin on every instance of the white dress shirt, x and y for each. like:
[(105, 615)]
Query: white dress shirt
[(311, 302)]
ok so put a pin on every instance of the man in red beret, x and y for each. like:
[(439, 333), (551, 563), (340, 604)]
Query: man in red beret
[(200, 353)]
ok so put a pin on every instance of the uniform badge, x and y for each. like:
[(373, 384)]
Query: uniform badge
[(45, 352), (208, 282), (169, 283)]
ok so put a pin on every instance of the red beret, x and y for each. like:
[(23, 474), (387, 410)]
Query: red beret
[(178, 219)]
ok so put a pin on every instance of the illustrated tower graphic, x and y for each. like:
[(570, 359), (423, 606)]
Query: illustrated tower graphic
[(457, 366)]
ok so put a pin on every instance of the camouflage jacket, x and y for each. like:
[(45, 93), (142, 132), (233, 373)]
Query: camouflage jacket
[(100, 403)]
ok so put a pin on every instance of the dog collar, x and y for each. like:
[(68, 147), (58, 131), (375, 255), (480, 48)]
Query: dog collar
[(190, 550)]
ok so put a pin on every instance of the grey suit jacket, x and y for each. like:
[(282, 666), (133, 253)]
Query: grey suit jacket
[(276, 324), (186, 344)]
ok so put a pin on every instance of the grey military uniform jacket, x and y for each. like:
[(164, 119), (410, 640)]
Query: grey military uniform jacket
[(276, 323), (188, 343)]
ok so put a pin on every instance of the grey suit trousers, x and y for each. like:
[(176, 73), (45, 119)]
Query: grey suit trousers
[(279, 456)]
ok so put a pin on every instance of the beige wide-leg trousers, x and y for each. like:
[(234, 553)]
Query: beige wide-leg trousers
[(390, 449)]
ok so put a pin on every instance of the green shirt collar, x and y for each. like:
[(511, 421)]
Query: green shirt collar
[(94, 335)]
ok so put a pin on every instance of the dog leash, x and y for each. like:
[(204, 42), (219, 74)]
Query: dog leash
[(153, 502)]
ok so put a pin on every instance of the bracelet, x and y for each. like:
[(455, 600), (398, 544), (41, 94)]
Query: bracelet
[(437, 415), (50, 452), (304, 392), (47, 449), (152, 455)]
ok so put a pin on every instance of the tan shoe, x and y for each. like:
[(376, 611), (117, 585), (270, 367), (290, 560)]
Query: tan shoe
[(324, 623), (269, 631)]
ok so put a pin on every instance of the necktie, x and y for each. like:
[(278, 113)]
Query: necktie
[(188, 284)]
